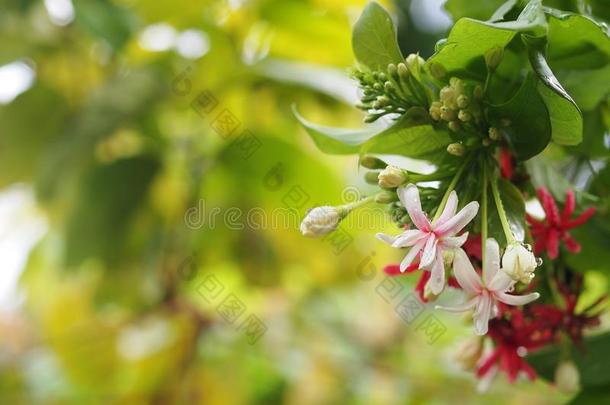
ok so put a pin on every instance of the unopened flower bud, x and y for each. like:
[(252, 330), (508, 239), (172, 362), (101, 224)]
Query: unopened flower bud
[(463, 101), (567, 377), (414, 63), (447, 114), (457, 85), (388, 87), (435, 110), (447, 95), (403, 72), (493, 57), (320, 221), (464, 116), (478, 92), (382, 101), (372, 177), (392, 71), (494, 134), (371, 162), (391, 177), (469, 353), (377, 87), (438, 71), (519, 262), (454, 126), (386, 197), (456, 149)]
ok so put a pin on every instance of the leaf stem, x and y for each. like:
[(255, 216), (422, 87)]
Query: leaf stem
[(510, 238)]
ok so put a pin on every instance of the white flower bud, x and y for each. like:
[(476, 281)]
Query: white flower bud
[(414, 63), (320, 221), (469, 353), (391, 177), (567, 377), (519, 263)]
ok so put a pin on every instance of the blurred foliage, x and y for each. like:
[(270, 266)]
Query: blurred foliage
[(113, 141)]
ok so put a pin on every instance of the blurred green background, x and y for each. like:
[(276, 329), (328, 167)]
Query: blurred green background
[(153, 177)]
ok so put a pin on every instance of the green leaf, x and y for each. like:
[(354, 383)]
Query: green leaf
[(577, 42), (566, 118), (592, 395), (374, 39), (412, 136), (105, 20), (593, 144), (480, 10), (469, 40), (514, 206), (588, 87), (592, 364), (530, 129)]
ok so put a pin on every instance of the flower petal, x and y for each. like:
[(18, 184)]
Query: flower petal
[(449, 210), (429, 252), (409, 197), (453, 242), (437, 274), (482, 314), (389, 239), (465, 274), (468, 305), (411, 255), (492, 260), (516, 299), (455, 224), (408, 238), (501, 282)]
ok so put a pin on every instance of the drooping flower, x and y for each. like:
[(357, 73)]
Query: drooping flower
[(485, 292), (554, 228), (519, 262), (431, 239)]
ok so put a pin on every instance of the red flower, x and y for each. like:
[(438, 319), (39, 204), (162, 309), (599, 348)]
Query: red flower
[(554, 228), (513, 336), (507, 165)]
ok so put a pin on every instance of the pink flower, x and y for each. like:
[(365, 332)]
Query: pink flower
[(487, 291), (431, 239)]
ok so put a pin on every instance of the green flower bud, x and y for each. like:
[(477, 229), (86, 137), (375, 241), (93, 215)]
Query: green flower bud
[(383, 101), (388, 87), (454, 126), (377, 87), (392, 71), (567, 377), (414, 63), (435, 110), (456, 149), (371, 177), (494, 134), (403, 72), (438, 71), (386, 197), (371, 162), (493, 57), (478, 92)]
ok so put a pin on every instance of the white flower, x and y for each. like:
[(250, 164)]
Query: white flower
[(431, 238), (320, 221), (485, 292), (391, 177), (519, 263)]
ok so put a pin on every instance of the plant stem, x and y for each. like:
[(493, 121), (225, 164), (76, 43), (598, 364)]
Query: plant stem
[(450, 188), (484, 215), (510, 238)]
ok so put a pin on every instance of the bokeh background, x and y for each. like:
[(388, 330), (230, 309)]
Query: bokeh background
[(153, 177)]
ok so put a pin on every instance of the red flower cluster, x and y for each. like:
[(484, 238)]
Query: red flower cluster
[(554, 228)]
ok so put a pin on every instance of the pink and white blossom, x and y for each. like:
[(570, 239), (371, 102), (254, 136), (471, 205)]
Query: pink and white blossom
[(431, 239), (486, 291)]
